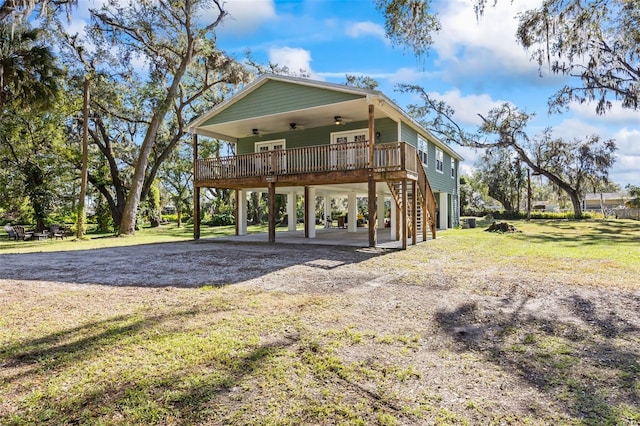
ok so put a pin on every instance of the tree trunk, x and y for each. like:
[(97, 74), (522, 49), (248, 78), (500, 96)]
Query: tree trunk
[(575, 200), (128, 224)]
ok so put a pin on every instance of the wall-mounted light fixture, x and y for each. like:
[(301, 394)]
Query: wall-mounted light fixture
[(337, 120), (378, 134)]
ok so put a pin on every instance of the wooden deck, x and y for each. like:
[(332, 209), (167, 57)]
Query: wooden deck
[(396, 164), (317, 165)]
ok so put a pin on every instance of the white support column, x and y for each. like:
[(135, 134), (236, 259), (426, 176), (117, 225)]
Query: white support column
[(327, 210), (394, 220), (291, 211), (444, 210), (311, 212), (242, 212), (352, 211)]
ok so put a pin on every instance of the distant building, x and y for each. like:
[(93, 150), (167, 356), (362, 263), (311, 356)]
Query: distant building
[(608, 200)]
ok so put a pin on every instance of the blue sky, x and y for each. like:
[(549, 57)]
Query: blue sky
[(473, 65)]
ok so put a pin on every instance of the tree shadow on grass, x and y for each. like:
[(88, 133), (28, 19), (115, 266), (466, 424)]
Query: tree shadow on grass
[(145, 392), (587, 364), (622, 233), (74, 345)]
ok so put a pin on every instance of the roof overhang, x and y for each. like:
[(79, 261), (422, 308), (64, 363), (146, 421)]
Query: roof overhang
[(318, 116)]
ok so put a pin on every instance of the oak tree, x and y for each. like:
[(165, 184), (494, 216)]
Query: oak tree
[(595, 41), (178, 45)]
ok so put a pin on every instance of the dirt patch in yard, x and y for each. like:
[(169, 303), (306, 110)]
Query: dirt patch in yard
[(420, 343)]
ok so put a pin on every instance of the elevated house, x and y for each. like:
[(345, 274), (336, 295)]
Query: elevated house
[(297, 137)]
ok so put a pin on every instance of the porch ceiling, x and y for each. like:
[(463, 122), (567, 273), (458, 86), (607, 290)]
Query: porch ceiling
[(349, 111), (338, 190)]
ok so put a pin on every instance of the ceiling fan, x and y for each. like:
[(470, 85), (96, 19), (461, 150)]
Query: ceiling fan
[(339, 120), (295, 126)]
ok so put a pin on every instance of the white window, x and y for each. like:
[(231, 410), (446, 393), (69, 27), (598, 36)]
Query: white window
[(423, 151), (453, 168), (439, 160)]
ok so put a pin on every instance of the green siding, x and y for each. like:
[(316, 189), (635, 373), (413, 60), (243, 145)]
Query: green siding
[(388, 130), (440, 182), (275, 97), (409, 135), (318, 135)]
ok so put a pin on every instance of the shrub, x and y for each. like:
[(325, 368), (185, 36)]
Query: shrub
[(537, 214), (221, 219), (170, 217)]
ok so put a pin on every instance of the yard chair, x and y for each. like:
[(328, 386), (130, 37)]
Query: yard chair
[(21, 233), (11, 233), (57, 231)]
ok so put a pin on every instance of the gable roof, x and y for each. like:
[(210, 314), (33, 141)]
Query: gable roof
[(274, 101)]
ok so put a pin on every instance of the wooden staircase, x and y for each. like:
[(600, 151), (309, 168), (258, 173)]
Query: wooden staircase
[(416, 199)]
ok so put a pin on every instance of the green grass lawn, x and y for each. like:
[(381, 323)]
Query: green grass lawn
[(85, 354), (163, 234)]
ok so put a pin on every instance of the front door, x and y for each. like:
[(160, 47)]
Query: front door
[(347, 154), (272, 157)]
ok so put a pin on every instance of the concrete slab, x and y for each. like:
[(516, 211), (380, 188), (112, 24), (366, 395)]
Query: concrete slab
[(324, 236)]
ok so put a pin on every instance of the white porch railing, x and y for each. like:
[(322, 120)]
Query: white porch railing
[(321, 158)]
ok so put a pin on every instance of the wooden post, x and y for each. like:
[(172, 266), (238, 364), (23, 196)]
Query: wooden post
[(372, 132), (424, 214), (373, 212), (272, 212), (528, 194), (81, 220), (196, 191), (414, 213), (405, 200)]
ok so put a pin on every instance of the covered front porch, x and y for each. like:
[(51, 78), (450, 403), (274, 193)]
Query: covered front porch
[(338, 207), (324, 237)]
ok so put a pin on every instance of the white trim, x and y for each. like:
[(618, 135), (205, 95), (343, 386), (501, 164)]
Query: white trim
[(257, 145), (280, 162), (334, 135), (425, 141), (350, 156), (440, 160)]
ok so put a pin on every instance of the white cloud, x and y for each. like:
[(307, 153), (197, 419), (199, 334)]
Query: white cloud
[(365, 29), (401, 75), (406, 76), (626, 170), (629, 141), (245, 16), (467, 45), (615, 116), (467, 107), (294, 58), (80, 15), (575, 128)]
